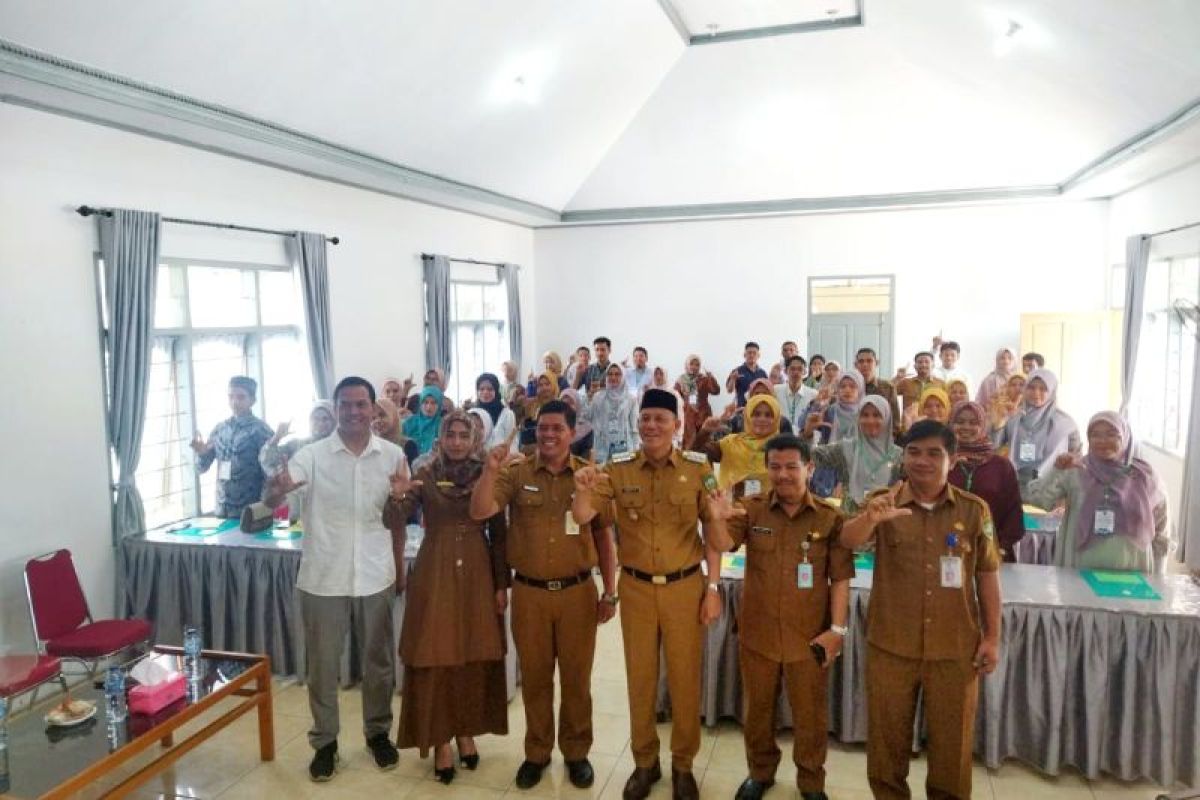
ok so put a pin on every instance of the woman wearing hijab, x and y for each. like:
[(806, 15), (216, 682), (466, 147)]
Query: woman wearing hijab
[(274, 454), (488, 397), (613, 414), (387, 425), (582, 440), (452, 643), (840, 419), (695, 386), (737, 422), (1005, 405), (545, 389), (997, 379), (660, 379), (551, 363), (1117, 515), (979, 470), (816, 371), (934, 404), (865, 462), (741, 455), (423, 426), (512, 379), (956, 390), (482, 425), (1041, 432)]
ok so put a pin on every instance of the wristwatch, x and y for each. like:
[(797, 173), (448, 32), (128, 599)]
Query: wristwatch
[(611, 599), (714, 587), (840, 630)]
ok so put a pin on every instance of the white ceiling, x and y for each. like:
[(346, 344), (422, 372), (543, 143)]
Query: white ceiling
[(614, 111), (726, 16)]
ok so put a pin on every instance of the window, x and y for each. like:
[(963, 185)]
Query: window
[(213, 321), (478, 326), (1162, 394)]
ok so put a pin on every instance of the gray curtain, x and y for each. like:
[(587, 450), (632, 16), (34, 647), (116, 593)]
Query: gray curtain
[(437, 312), (307, 254), (1137, 258), (129, 245), (512, 282), (1189, 514)]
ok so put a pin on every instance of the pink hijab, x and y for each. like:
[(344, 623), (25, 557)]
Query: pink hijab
[(1127, 485)]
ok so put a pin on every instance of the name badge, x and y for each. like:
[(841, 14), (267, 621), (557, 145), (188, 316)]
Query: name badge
[(952, 574), (1106, 522), (224, 470), (570, 526), (804, 576), (1027, 453), (529, 488), (760, 529), (753, 488)]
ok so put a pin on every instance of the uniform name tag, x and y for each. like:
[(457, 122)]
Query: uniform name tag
[(804, 575), (952, 574), (760, 529), (1027, 453), (570, 526), (529, 488), (224, 470), (753, 488), (1106, 522)]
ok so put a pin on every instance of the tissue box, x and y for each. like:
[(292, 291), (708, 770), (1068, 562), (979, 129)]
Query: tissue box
[(152, 699)]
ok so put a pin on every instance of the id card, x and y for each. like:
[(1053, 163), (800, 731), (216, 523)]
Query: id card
[(804, 575), (952, 576), (1027, 453), (1106, 522), (224, 470), (570, 526), (752, 487)]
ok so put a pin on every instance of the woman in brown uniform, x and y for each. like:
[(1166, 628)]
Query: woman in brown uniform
[(452, 643)]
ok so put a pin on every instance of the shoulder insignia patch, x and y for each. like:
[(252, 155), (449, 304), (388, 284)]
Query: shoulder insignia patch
[(622, 458), (694, 457)]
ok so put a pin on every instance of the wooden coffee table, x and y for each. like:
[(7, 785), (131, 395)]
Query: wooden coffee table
[(47, 762)]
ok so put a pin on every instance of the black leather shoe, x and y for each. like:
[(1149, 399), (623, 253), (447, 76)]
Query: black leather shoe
[(639, 783), (470, 762), (444, 775), (324, 763), (384, 752), (581, 773), (814, 796), (752, 789), (529, 774), (683, 786)]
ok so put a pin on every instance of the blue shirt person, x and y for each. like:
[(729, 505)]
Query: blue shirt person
[(235, 444)]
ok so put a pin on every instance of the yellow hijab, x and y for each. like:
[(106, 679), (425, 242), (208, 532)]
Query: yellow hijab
[(742, 454)]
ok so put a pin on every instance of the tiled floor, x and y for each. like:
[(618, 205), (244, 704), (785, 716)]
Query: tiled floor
[(228, 768)]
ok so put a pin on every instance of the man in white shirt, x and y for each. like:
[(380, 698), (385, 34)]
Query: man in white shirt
[(949, 353), (348, 570), (640, 375), (793, 396)]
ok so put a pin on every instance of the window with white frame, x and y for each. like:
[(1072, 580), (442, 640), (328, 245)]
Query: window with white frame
[(478, 326), (214, 320), (1162, 395)]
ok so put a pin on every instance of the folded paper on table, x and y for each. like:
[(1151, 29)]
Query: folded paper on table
[(1132, 585)]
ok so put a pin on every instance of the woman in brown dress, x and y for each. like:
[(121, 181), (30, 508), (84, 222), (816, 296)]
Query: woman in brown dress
[(452, 644)]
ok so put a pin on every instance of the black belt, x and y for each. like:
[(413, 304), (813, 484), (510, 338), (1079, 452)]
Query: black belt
[(661, 580), (555, 585)]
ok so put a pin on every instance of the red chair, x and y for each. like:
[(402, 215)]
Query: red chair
[(62, 623), (20, 673)]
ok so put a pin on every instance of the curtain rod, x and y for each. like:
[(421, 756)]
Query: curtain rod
[(469, 261), (87, 211), (1173, 230)]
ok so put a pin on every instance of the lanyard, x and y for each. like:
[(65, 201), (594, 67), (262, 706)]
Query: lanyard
[(968, 475)]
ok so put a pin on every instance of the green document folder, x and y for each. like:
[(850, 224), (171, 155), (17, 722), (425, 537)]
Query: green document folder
[(1106, 583)]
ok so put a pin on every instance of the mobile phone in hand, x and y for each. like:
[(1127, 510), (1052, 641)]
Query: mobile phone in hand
[(818, 653)]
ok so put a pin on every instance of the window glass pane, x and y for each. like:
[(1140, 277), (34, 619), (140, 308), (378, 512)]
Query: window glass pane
[(469, 302), (169, 311), (279, 298), (221, 297), (287, 390), (215, 359), (495, 302), (1157, 284), (465, 367), (1185, 280), (164, 477)]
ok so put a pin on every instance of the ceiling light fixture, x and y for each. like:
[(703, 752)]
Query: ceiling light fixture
[(1007, 39), (522, 79)]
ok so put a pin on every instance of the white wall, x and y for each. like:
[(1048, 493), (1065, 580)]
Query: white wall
[(53, 474), (1162, 204), (707, 287)]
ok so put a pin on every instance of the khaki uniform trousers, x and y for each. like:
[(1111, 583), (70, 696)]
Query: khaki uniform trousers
[(556, 628), (667, 616), (808, 695), (951, 693)]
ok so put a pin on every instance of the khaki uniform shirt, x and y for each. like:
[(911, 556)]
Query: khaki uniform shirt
[(778, 619), (543, 541), (911, 614), (910, 389), (656, 509)]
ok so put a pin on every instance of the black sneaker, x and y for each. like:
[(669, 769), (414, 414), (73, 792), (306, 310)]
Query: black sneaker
[(324, 763), (385, 753)]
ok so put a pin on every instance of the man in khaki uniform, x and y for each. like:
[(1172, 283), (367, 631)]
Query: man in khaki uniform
[(657, 496), (934, 617), (795, 601), (555, 608)]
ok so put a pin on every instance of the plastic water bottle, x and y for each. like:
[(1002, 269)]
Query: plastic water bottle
[(192, 645), (114, 694)]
